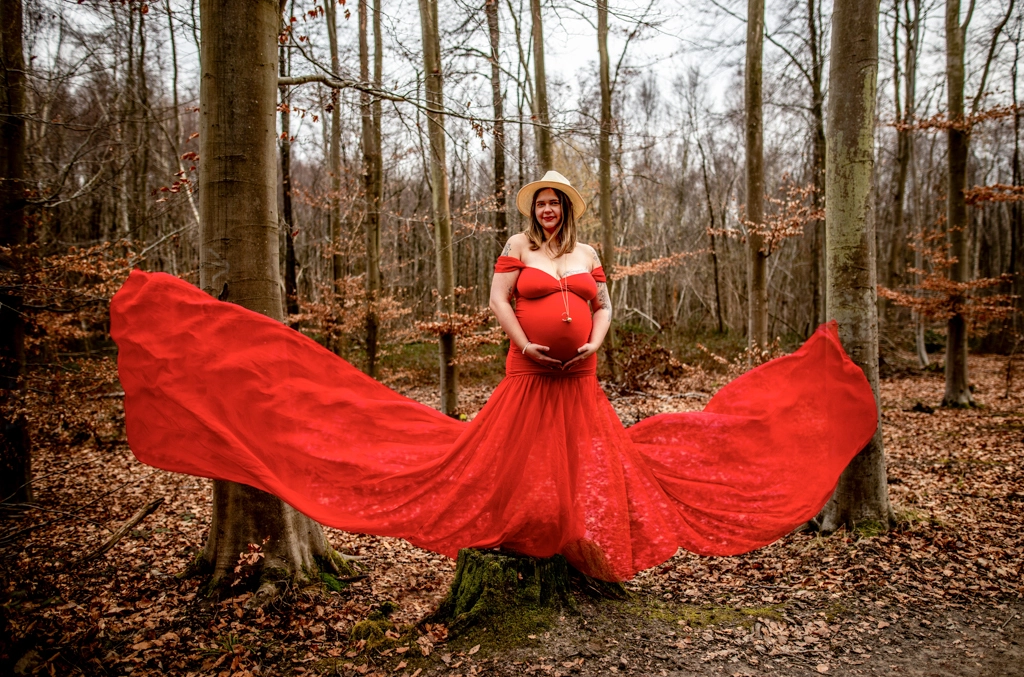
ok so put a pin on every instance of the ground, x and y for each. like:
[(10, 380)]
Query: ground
[(941, 594)]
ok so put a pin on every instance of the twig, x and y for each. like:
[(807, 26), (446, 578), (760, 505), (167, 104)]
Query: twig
[(119, 534)]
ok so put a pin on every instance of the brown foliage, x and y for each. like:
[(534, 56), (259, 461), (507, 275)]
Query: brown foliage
[(997, 192), (785, 217), (939, 298)]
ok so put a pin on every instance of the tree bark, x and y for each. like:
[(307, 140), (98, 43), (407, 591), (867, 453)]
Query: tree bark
[(497, 100), (15, 446), (334, 154), (817, 161), (542, 130), (239, 262), (439, 194), (958, 393), (371, 188), (291, 287), (757, 270), (711, 235), (605, 174), (862, 494)]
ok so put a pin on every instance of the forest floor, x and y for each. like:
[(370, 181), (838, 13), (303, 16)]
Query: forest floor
[(941, 594)]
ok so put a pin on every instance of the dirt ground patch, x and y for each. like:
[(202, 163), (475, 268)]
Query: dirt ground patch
[(940, 594)]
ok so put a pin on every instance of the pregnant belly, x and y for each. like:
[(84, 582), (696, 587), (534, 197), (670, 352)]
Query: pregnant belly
[(541, 319)]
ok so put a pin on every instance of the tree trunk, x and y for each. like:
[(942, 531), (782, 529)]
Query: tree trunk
[(958, 393), (334, 156), (505, 590), (605, 175), (862, 494), (542, 130), (1016, 212), (711, 234), (371, 185), (441, 209), (291, 287), (497, 100), (757, 271), (817, 162), (239, 262), (15, 447)]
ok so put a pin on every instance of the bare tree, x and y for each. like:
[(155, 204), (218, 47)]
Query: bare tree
[(334, 150), (239, 261), (372, 177), (497, 101), (540, 99), (605, 169), (757, 271), (441, 210), (862, 493), (15, 448)]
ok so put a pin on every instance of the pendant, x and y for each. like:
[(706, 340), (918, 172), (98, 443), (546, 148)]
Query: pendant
[(566, 318)]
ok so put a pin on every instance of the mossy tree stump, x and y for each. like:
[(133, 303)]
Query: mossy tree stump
[(504, 589)]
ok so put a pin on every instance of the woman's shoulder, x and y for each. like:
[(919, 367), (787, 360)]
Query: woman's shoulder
[(515, 245), (590, 253)]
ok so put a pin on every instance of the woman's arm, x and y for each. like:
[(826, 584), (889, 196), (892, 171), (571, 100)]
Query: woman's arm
[(502, 290), (602, 307)]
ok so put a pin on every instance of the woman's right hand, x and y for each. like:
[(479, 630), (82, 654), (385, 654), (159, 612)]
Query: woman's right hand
[(537, 353)]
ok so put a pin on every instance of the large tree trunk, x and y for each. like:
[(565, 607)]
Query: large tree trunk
[(439, 193), (239, 261), (817, 161), (334, 154), (371, 188), (605, 174), (497, 100), (542, 130), (862, 494), (958, 393), (757, 270), (15, 448)]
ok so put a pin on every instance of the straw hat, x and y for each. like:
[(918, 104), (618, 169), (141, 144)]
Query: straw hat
[(524, 199)]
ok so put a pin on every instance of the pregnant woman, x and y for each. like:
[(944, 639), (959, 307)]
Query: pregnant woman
[(546, 467)]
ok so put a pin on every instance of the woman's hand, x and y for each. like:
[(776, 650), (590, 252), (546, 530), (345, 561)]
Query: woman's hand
[(584, 351), (537, 353)]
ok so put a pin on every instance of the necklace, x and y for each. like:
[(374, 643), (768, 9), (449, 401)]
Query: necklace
[(564, 293)]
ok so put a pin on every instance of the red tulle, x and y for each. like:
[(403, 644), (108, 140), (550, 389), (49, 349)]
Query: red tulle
[(215, 390)]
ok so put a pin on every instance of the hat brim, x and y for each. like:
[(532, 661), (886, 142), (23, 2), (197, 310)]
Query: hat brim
[(524, 198)]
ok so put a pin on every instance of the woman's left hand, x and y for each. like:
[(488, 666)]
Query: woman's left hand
[(584, 351)]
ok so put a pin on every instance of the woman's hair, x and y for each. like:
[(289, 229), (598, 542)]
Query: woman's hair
[(564, 237)]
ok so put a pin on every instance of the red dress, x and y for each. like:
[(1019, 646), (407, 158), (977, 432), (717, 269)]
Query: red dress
[(215, 390)]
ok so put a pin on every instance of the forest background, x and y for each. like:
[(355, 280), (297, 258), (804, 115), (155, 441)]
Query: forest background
[(109, 170)]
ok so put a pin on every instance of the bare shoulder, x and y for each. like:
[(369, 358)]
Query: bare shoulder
[(515, 245), (591, 254)]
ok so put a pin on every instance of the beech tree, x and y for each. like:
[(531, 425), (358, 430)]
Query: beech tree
[(542, 130), (862, 493), (757, 270), (372, 173), (15, 449), (239, 263), (432, 68)]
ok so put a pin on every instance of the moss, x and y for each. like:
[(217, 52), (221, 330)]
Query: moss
[(510, 595), (870, 528), (331, 582), (374, 632), (705, 615)]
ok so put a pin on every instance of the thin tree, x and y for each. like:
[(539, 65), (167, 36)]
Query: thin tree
[(497, 101), (439, 193), (605, 170), (334, 151), (542, 129), (239, 262), (958, 134), (757, 268), (371, 181), (862, 494), (15, 447), (291, 287)]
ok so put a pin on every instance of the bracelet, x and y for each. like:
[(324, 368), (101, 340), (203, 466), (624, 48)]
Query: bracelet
[(528, 344)]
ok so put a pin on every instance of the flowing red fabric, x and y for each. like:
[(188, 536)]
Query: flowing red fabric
[(215, 390)]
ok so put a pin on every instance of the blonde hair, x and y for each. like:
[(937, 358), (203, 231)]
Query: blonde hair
[(565, 236)]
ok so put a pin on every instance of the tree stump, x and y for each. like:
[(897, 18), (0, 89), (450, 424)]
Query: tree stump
[(507, 591)]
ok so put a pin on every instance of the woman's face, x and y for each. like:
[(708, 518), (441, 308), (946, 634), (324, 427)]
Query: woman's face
[(548, 210)]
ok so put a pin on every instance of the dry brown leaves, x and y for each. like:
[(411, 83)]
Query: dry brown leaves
[(955, 482)]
